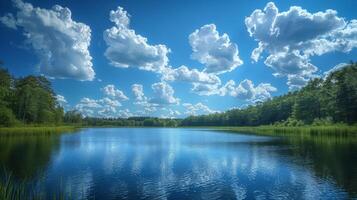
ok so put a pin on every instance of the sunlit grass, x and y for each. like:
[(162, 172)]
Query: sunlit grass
[(35, 130), (332, 130)]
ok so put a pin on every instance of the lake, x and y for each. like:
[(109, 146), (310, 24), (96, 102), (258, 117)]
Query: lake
[(180, 163)]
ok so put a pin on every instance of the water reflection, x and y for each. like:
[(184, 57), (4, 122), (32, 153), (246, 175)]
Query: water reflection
[(26, 156), (330, 158), (191, 164)]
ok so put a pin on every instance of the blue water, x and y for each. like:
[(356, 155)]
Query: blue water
[(165, 163)]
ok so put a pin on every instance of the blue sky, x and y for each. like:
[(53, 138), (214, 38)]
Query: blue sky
[(174, 58)]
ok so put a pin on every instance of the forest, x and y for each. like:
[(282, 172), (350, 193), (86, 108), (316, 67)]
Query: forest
[(323, 101), (28, 100)]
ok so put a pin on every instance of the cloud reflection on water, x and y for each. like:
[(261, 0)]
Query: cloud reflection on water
[(182, 163)]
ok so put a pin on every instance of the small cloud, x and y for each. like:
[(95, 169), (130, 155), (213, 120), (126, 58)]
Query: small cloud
[(197, 109), (163, 94), (185, 74), (61, 100), (112, 92)]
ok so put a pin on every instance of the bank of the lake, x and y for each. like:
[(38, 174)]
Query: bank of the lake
[(328, 130), (36, 130)]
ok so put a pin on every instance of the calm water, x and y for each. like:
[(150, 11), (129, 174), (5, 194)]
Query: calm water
[(163, 163)]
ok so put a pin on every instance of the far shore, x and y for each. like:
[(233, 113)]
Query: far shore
[(328, 130)]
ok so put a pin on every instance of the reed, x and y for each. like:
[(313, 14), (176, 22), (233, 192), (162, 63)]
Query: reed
[(10, 189), (331, 130), (31, 130)]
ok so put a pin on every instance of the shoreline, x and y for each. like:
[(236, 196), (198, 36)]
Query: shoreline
[(330, 130), (36, 130)]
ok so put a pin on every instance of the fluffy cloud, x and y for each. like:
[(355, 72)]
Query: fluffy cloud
[(142, 100), (104, 107), (215, 51), (111, 112), (61, 100), (245, 90), (185, 74), (169, 113), (138, 92), (163, 94), (111, 91), (109, 102), (197, 109), (205, 89), (124, 113), (290, 38), (128, 49), (107, 112), (60, 43), (162, 97), (86, 106), (9, 21)]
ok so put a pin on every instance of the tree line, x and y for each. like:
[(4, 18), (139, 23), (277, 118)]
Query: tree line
[(27, 100), (326, 100)]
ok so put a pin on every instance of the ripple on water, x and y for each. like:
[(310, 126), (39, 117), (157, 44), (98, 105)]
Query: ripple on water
[(189, 164)]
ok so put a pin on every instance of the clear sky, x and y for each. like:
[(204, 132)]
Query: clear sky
[(174, 58)]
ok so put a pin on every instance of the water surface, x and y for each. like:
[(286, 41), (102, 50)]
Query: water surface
[(164, 163)]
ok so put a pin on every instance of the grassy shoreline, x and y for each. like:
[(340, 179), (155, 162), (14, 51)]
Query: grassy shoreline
[(330, 130), (36, 130)]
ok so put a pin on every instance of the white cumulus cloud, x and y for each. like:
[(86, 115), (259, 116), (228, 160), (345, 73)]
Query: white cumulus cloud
[(60, 42), (104, 107), (112, 92), (61, 100), (185, 74), (138, 92), (129, 49), (290, 38), (197, 109), (163, 94), (216, 52), (245, 90)]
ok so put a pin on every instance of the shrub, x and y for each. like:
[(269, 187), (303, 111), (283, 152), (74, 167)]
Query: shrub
[(290, 122), (322, 121), (7, 118)]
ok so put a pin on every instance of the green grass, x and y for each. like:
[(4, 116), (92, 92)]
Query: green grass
[(331, 130), (32, 130), (14, 190), (10, 190)]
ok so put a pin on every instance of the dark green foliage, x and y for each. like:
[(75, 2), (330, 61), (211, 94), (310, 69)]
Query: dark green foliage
[(35, 101), (132, 121), (326, 100), (73, 117), (7, 118), (29, 100)]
